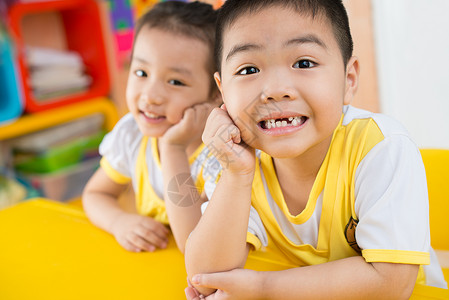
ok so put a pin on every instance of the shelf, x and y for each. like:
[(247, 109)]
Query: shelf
[(52, 117), (81, 29)]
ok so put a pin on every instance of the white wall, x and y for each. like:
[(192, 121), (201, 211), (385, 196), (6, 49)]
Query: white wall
[(412, 58)]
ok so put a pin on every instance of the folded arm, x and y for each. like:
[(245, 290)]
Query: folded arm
[(349, 278)]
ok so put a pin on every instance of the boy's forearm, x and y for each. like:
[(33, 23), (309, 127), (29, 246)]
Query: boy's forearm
[(349, 278), (182, 203), (218, 243)]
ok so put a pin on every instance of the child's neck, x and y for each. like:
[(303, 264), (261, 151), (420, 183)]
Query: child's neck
[(296, 177)]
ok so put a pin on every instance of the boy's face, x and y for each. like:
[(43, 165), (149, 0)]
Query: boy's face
[(168, 74), (284, 82)]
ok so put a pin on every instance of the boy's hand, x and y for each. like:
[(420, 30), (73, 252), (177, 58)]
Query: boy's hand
[(138, 233), (223, 139), (234, 284), (189, 128)]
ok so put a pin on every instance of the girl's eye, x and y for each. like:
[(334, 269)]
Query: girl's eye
[(140, 73), (248, 71), (304, 64), (176, 82)]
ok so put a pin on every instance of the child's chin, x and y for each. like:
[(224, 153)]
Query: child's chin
[(153, 132), (280, 151)]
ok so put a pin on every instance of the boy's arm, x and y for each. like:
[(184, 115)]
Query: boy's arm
[(349, 278), (133, 232), (218, 243)]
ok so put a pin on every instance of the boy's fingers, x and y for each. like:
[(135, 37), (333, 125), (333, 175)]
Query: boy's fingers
[(213, 280), (190, 294)]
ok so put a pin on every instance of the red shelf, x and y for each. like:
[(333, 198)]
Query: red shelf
[(83, 33)]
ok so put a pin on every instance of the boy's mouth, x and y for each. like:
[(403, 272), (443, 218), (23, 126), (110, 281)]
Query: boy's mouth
[(283, 122)]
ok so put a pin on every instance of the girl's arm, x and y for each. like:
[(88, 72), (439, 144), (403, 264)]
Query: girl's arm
[(132, 231), (182, 200), (100, 200)]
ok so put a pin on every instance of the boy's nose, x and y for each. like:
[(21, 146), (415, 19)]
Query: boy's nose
[(279, 88)]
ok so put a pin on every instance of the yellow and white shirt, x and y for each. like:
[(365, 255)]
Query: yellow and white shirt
[(129, 156), (369, 199)]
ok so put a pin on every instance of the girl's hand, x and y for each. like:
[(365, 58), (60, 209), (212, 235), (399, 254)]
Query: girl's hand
[(138, 233), (190, 128), (223, 139)]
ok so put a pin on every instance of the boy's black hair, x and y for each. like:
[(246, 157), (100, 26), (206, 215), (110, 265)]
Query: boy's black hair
[(195, 19), (333, 10)]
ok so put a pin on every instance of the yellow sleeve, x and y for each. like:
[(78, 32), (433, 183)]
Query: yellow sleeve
[(253, 241), (396, 256), (112, 173)]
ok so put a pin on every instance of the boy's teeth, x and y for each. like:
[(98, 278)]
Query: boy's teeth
[(272, 123)]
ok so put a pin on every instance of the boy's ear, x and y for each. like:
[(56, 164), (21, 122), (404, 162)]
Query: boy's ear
[(352, 79)]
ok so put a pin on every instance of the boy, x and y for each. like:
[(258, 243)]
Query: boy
[(337, 191)]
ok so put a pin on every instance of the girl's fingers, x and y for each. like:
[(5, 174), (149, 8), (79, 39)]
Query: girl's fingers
[(149, 237), (135, 243)]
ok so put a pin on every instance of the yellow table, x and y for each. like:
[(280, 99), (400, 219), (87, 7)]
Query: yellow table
[(50, 250)]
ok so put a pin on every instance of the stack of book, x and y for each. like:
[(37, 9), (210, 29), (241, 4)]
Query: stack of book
[(55, 73)]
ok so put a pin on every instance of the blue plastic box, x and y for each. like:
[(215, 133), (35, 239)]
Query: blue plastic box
[(11, 106)]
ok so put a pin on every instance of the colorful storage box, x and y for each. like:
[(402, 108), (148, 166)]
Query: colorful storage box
[(65, 184)]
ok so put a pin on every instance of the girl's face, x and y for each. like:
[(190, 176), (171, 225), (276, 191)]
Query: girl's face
[(168, 74), (284, 82)]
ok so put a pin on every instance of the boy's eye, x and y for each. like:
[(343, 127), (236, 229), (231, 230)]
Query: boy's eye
[(248, 71), (140, 73), (176, 82), (304, 64)]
